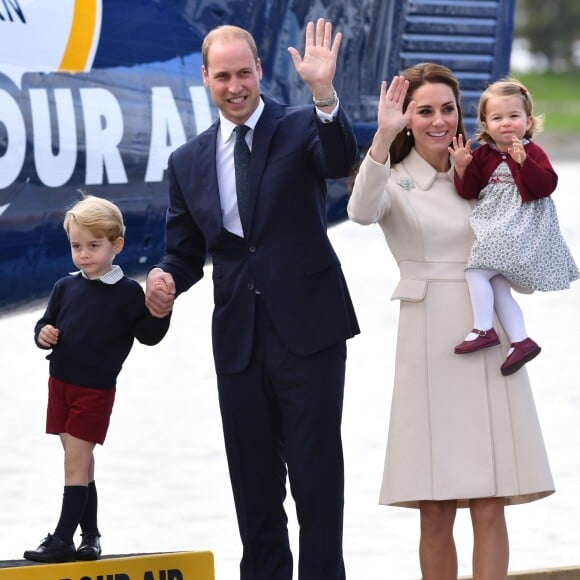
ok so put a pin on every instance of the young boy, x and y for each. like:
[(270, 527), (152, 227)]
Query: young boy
[(90, 323)]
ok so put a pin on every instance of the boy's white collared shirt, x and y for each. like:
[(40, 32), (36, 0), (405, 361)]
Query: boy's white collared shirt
[(111, 277)]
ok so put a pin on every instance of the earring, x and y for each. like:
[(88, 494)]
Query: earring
[(408, 132)]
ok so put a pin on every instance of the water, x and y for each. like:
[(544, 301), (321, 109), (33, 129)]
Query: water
[(162, 474)]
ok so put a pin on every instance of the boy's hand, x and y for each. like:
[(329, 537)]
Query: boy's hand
[(48, 336)]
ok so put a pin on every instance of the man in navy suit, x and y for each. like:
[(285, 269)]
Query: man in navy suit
[(282, 309)]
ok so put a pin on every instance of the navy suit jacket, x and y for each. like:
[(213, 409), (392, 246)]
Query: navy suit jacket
[(286, 255)]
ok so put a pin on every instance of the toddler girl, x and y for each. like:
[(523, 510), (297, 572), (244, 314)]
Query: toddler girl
[(518, 241)]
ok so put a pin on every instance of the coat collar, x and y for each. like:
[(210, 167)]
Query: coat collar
[(423, 174)]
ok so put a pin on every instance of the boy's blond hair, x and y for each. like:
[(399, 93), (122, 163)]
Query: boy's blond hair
[(100, 216), (507, 87)]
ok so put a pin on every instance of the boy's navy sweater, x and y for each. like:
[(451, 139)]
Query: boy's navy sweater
[(97, 324)]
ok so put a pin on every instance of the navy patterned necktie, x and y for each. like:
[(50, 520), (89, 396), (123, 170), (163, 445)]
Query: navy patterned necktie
[(242, 165)]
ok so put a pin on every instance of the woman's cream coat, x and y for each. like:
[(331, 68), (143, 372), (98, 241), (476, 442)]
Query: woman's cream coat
[(458, 428)]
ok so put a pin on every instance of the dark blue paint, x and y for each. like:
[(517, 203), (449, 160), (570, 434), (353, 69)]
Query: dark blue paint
[(147, 43)]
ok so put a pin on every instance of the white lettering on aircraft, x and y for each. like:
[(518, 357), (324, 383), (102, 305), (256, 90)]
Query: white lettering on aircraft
[(53, 169), (55, 152), (12, 160), (166, 132), (103, 133)]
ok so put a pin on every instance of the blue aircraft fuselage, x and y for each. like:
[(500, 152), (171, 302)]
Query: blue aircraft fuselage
[(95, 94)]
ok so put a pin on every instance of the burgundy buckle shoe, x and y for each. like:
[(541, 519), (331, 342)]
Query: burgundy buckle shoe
[(485, 338), (523, 352)]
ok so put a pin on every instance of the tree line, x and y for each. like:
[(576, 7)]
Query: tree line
[(552, 28)]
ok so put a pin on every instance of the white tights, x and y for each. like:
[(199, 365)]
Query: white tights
[(489, 289)]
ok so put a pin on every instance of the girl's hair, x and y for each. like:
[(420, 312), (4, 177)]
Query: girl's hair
[(507, 87), (419, 75), (100, 216), (227, 32)]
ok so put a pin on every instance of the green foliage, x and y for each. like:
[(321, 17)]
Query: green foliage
[(556, 96), (551, 26)]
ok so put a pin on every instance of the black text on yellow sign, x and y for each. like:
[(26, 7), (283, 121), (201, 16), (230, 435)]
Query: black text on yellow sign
[(173, 574)]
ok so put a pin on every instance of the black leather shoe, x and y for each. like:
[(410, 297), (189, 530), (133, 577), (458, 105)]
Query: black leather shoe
[(52, 550), (90, 548)]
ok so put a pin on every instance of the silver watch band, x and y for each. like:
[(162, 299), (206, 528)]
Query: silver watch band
[(326, 102)]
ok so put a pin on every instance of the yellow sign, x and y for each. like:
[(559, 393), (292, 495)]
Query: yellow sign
[(168, 566)]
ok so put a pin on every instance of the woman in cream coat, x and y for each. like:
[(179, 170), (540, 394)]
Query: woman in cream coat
[(460, 434)]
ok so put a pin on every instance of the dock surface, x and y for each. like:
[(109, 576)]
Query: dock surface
[(567, 573)]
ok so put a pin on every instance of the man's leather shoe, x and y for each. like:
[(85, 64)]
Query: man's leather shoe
[(523, 352), (90, 548), (484, 339), (52, 550)]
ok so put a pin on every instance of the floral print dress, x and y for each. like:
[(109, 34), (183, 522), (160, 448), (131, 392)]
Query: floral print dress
[(521, 240)]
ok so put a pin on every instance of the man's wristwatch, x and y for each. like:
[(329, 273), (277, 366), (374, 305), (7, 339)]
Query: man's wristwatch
[(326, 102)]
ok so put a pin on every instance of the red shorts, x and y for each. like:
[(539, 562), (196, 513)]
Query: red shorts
[(82, 412)]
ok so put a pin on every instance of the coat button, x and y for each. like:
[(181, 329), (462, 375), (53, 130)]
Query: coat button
[(252, 249)]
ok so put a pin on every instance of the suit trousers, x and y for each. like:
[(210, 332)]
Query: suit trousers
[(282, 416)]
